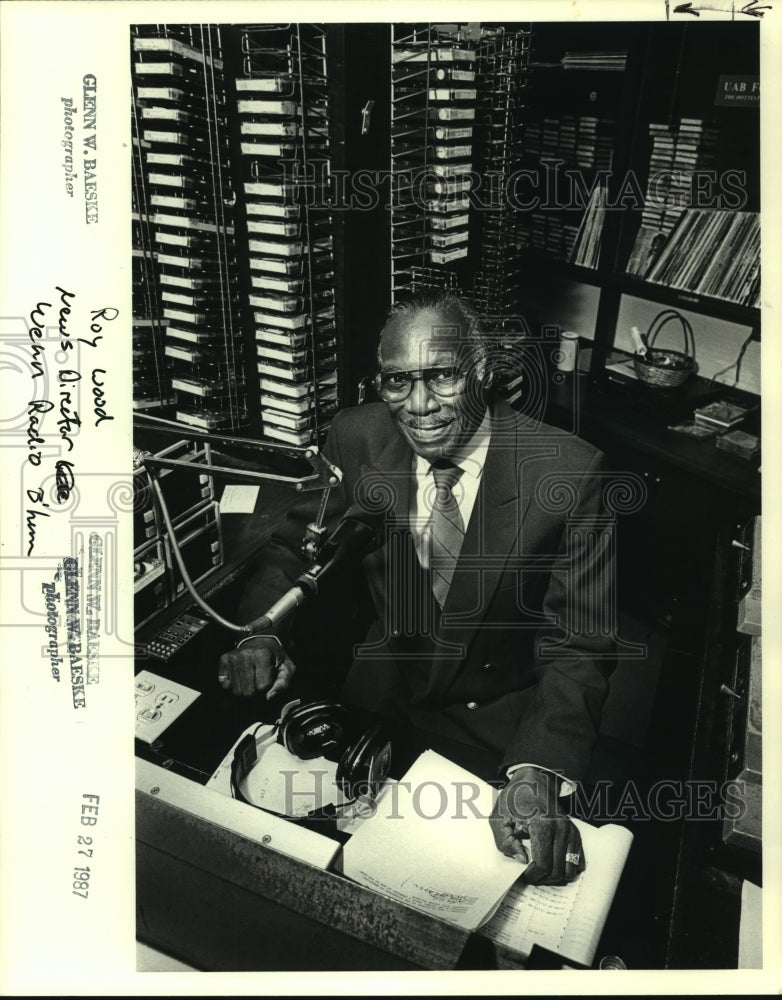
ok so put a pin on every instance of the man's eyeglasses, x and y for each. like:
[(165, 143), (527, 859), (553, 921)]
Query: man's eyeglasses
[(394, 387)]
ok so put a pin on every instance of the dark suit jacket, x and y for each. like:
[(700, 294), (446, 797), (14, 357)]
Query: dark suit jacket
[(517, 663)]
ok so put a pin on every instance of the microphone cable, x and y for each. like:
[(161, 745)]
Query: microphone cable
[(307, 582), (186, 579)]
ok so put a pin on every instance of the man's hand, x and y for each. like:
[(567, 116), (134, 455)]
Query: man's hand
[(528, 806), (261, 664)]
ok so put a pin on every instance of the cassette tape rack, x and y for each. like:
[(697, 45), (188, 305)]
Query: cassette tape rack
[(457, 125), (498, 239), (151, 370), (184, 197), (285, 179), (433, 99), (502, 68), (457, 105)]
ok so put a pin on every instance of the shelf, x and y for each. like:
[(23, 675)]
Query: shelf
[(627, 284), (731, 312), (612, 419), (577, 69)]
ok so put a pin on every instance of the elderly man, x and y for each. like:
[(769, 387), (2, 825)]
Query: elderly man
[(485, 599)]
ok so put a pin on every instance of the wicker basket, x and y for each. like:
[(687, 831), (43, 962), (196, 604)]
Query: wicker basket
[(666, 369)]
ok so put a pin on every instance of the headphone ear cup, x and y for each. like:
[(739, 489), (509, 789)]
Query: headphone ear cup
[(313, 729), (365, 765), (244, 759)]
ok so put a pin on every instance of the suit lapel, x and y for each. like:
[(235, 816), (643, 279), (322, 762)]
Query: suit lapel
[(386, 482)]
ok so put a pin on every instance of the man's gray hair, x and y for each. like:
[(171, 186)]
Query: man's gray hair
[(457, 316)]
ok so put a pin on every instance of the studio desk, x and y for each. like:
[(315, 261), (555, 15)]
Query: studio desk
[(222, 893), (219, 894)]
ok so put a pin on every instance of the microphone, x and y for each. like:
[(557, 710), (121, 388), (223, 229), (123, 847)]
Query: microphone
[(356, 535)]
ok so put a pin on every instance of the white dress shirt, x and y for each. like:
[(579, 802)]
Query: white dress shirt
[(471, 457)]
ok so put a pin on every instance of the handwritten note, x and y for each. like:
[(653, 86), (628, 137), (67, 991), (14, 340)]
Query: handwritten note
[(53, 412), (238, 499)]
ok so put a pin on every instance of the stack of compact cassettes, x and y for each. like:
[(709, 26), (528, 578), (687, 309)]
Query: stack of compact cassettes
[(595, 144), (678, 151), (452, 97), (586, 142), (568, 144), (179, 113), (433, 101), (502, 60), (433, 279), (151, 371), (282, 103)]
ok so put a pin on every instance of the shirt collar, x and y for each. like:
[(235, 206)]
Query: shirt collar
[(471, 456)]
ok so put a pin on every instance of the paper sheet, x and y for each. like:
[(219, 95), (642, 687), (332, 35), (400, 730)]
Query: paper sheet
[(238, 499), (751, 927), (567, 919), (434, 823), (52, 941)]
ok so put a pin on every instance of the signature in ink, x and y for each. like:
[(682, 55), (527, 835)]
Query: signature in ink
[(752, 9)]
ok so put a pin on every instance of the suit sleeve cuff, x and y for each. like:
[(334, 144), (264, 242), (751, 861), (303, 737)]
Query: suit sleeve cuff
[(567, 785)]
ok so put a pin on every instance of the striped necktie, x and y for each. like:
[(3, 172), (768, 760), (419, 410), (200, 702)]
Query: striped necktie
[(447, 529)]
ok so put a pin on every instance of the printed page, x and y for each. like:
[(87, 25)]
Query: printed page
[(430, 845), (566, 919)]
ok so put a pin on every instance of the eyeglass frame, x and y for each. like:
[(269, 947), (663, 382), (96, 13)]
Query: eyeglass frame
[(424, 375)]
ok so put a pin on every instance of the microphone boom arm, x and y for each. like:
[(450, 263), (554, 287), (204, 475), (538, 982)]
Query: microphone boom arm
[(324, 474)]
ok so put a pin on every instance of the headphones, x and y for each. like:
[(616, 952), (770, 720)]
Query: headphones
[(323, 729)]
